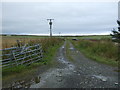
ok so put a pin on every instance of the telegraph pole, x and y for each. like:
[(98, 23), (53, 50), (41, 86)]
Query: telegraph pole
[(59, 33), (50, 23)]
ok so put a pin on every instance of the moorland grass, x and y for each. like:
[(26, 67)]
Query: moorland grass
[(103, 51)]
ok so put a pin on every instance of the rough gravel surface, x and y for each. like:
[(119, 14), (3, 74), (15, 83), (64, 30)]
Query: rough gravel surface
[(81, 73)]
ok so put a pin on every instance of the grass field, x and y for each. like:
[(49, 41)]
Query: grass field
[(9, 41), (97, 37)]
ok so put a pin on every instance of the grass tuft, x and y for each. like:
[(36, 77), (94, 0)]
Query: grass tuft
[(68, 51)]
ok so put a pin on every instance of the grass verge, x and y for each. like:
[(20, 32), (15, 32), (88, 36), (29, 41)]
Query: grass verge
[(101, 51), (68, 55)]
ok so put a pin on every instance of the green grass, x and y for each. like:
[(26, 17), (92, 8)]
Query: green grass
[(50, 54), (101, 51), (11, 70), (68, 51), (50, 47), (98, 37)]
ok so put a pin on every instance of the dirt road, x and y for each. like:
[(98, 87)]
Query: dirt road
[(81, 73)]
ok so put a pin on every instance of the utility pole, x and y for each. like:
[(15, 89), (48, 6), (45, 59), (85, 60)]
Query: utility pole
[(59, 33), (50, 23)]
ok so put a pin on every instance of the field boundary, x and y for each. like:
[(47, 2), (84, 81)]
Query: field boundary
[(24, 55)]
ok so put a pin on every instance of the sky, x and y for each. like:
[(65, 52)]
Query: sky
[(70, 18)]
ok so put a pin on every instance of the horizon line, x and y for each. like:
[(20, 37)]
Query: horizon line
[(55, 34)]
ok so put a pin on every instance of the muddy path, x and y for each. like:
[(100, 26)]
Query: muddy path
[(79, 73)]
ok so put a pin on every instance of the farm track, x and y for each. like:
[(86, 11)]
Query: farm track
[(79, 73)]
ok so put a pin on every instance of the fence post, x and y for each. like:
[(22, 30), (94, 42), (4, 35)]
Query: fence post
[(40, 51), (11, 56), (14, 57), (18, 43)]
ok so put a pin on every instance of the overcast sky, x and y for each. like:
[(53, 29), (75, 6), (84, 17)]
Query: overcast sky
[(69, 18)]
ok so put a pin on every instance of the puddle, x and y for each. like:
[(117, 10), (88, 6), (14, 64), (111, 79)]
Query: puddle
[(103, 78)]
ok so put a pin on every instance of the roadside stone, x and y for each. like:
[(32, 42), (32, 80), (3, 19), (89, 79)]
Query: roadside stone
[(81, 82), (93, 77), (116, 83), (60, 75), (77, 51), (90, 67), (104, 80), (74, 71)]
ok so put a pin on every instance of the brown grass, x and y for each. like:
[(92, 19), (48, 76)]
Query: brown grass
[(10, 41)]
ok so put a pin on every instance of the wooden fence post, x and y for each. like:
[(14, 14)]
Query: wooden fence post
[(14, 58), (11, 58)]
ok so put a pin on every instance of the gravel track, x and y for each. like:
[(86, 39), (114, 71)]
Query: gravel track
[(81, 73)]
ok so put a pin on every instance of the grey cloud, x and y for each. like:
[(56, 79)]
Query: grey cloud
[(69, 17)]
